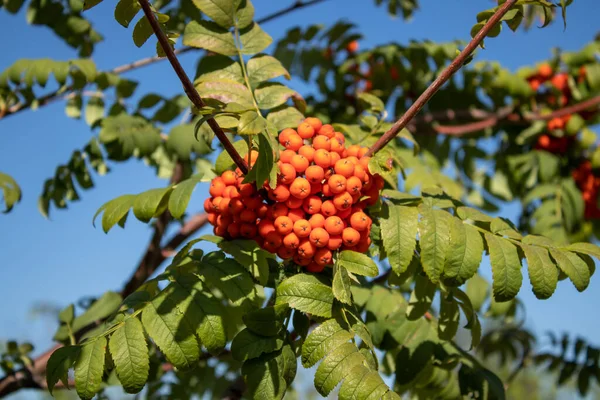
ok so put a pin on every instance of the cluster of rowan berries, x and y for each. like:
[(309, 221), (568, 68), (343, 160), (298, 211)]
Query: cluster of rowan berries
[(589, 184), (317, 206)]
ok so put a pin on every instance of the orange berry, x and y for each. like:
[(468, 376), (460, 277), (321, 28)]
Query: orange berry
[(262, 211), (236, 206), (340, 137), (323, 256), (233, 230), (217, 186), (280, 194), (319, 237), (300, 188), (334, 225), (294, 202), (335, 242), (224, 205), (291, 241), (322, 158), (359, 221), (296, 214), (326, 190), (316, 188), (364, 162), (312, 204), (273, 239), (545, 71), (248, 216), (283, 225), (353, 185), (305, 130), (314, 174), (231, 192), (352, 47), (337, 184), (208, 205), (212, 218), (302, 228), (343, 214), (317, 220), (308, 152), (314, 267), (344, 167), (229, 178), (277, 210), (353, 150), (253, 156), (265, 227), (300, 163), (247, 190), (363, 245), (224, 220), (286, 156), (285, 134), (327, 130), (379, 181), (342, 201), (293, 142), (302, 261), (362, 152), (335, 157), (336, 146), (220, 231), (285, 253), (314, 122), (306, 249), (287, 173), (360, 172), (328, 208), (352, 159), (248, 230), (321, 142), (350, 237)]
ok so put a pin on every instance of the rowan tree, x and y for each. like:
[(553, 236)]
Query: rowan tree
[(340, 237)]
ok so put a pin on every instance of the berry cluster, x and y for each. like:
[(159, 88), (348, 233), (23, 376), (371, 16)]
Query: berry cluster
[(317, 206), (589, 184)]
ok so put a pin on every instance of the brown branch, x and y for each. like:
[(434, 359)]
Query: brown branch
[(456, 64), (188, 86), (575, 108), (58, 94)]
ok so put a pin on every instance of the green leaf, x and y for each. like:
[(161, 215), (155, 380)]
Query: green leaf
[(11, 192), (506, 267), (142, 31), (224, 161), (253, 39), (449, 318), (286, 117), (73, 107), (170, 331), (87, 4), (341, 284), (126, 10), (592, 73), (272, 94), (180, 197), (94, 110), (420, 298), (477, 290), (251, 123), (247, 345), (308, 293), (220, 11), (67, 314), (464, 256), (89, 368), (87, 67), (584, 248), (357, 263), (336, 366), (353, 382), (322, 340), (434, 232), (472, 319), (229, 277), (265, 169), (399, 234), (244, 14), (373, 102), (115, 210), (268, 376), (250, 255), (543, 274), (129, 352), (209, 36), (227, 92), (204, 313), (267, 321), (59, 363), (263, 67), (150, 203), (573, 266)]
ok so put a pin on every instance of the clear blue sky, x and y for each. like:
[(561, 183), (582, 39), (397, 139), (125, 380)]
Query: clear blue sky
[(64, 259)]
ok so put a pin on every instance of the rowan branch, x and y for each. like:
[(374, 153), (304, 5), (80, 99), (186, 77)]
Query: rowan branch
[(60, 93), (454, 66)]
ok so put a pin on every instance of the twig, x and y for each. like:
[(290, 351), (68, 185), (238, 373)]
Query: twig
[(456, 64), (58, 94)]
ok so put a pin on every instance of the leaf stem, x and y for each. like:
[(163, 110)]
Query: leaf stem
[(188, 86), (454, 66), (238, 47)]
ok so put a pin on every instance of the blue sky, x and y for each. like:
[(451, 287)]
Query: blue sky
[(58, 261)]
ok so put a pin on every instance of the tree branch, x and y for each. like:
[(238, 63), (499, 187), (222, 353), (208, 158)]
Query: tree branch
[(456, 64), (59, 94)]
